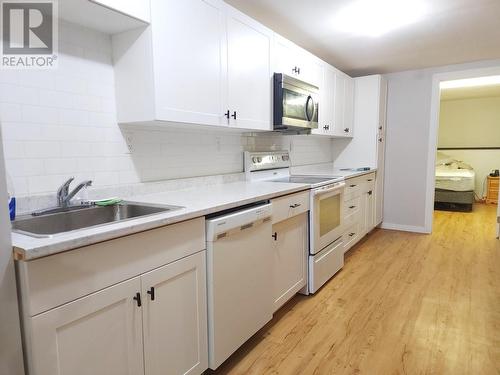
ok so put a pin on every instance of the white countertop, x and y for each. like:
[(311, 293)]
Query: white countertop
[(327, 169), (196, 202)]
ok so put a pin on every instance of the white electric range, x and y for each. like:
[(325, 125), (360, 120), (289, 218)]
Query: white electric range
[(326, 253)]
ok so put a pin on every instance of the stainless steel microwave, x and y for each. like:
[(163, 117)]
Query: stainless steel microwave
[(295, 104)]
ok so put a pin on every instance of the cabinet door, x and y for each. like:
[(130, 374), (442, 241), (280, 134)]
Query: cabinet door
[(294, 61), (327, 102), (100, 334), (339, 104), (349, 106), (134, 8), (369, 211), (290, 253), (189, 60), (175, 317), (249, 82)]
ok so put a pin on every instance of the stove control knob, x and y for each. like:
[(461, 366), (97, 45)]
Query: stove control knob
[(259, 159)]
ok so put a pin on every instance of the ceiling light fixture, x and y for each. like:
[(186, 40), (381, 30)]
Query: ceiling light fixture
[(375, 18), (470, 82)]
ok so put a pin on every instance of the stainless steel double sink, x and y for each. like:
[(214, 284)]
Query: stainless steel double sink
[(75, 217)]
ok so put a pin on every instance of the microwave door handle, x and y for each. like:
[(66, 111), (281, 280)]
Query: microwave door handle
[(306, 109)]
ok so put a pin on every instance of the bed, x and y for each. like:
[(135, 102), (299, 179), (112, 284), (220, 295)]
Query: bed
[(455, 183)]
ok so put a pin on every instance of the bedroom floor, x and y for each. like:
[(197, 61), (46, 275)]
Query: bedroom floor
[(404, 303)]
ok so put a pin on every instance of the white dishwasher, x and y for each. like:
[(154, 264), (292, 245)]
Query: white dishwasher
[(239, 275)]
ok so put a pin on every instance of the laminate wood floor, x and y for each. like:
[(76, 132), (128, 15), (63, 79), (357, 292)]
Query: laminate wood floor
[(403, 304)]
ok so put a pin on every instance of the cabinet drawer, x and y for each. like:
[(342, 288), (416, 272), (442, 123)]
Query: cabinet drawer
[(58, 279), (352, 189), (351, 236), (290, 206), (325, 264), (352, 206)]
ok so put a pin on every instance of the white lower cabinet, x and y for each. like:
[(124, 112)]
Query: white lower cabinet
[(100, 334), (359, 208), (134, 305), (103, 333), (289, 258), (175, 317), (290, 246)]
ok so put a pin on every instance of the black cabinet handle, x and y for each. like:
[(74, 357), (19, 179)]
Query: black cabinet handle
[(346, 130), (296, 69), (234, 115), (351, 234), (370, 180), (151, 293), (380, 140), (138, 299), (295, 205), (351, 207), (370, 192), (353, 185), (227, 114), (275, 236)]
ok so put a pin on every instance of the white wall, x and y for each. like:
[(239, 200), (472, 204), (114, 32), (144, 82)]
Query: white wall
[(408, 135), (11, 355), (470, 122), (63, 122)]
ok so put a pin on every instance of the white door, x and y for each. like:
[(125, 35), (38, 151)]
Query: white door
[(175, 318), (249, 78), (190, 60), (100, 334), (290, 253)]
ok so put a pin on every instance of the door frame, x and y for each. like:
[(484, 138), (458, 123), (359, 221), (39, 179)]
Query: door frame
[(434, 130)]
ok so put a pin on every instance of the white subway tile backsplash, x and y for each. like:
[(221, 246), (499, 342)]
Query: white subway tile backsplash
[(39, 114), (10, 112), (62, 123)]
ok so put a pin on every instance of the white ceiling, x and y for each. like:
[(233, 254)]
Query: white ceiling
[(452, 31), (470, 92)]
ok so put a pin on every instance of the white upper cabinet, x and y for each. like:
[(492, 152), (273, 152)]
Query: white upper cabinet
[(344, 105), (200, 62), (249, 74), (139, 9), (189, 61), (296, 62), (108, 16), (326, 118)]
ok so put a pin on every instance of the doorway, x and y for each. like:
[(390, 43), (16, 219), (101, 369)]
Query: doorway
[(464, 145)]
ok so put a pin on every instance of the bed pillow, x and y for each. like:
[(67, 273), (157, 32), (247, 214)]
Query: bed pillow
[(442, 159)]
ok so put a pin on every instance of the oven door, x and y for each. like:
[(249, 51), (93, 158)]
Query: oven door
[(327, 216)]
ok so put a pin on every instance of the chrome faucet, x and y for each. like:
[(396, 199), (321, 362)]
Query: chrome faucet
[(64, 196)]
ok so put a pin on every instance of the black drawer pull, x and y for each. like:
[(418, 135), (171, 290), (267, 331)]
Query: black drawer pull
[(370, 192), (370, 180), (353, 185), (295, 205), (227, 114), (151, 292), (234, 115), (275, 236), (138, 299), (351, 207), (351, 234)]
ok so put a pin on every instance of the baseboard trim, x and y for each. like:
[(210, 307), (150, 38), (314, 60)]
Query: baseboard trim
[(404, 228)]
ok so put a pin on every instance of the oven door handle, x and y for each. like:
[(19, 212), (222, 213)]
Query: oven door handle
[(329, 190)]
